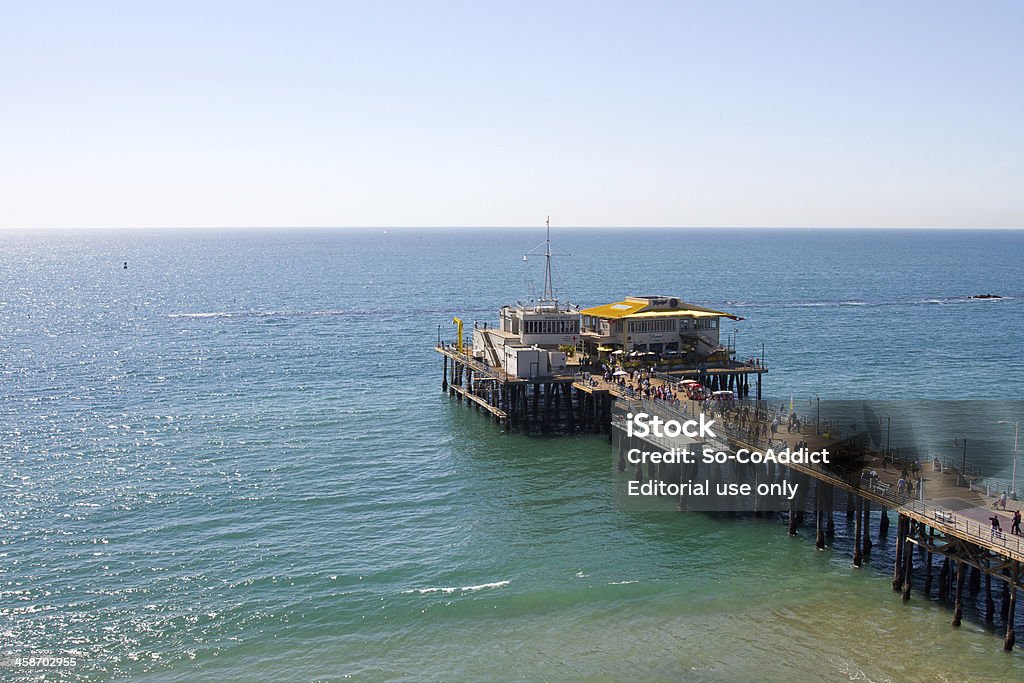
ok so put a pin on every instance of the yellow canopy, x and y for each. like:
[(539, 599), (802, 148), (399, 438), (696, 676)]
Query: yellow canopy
[(619, 309), (635, 309)]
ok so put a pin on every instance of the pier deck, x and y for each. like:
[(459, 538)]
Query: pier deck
[(947, 519), (954, 509)]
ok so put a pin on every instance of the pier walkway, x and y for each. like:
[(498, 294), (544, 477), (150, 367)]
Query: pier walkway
[(954, 509)]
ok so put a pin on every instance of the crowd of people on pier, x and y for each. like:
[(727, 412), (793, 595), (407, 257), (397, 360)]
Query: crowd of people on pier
[(639, 383)]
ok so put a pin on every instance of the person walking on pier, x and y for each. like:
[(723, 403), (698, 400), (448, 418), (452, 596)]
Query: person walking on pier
[(997, 531), (1015, 527)]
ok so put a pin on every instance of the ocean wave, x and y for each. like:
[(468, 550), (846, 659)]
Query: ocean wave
[(869, 302), (463, 589), (253, 314), (205, 315)]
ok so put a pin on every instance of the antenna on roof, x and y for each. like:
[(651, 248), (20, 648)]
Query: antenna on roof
[(549, 288)]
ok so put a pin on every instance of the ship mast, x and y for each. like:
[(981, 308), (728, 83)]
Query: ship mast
[(549, 289), (548, 297)]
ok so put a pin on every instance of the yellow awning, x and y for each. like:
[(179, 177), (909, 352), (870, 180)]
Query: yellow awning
[(619, 309), (604, 348), (679, 313), (634, 309)]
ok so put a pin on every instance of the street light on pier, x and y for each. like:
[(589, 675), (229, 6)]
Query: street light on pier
[(817, 415), (1016, 434), (963, 464), (888, 433)]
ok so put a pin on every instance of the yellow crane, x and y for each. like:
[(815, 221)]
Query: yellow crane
[(458, 323)]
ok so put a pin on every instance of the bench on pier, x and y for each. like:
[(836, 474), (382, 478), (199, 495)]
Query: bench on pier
[(945, 517), (879, 487)]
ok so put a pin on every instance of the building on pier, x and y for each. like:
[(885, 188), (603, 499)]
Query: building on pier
[(531, 340), (659, 325)]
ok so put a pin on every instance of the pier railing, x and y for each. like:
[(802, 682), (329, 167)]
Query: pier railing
[(938, 517)]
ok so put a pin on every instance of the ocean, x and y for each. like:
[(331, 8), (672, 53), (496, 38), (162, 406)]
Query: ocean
[(232, 460)]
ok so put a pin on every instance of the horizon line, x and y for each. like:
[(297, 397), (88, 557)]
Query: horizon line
[(503, 227)]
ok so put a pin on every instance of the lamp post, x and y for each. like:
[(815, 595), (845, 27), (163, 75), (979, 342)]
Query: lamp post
[(1016, 434), (963, 465), (817, 415), (762, 354), (888, 433)]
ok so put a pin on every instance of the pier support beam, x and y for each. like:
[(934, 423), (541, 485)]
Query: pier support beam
[(883, 523), (819, 514), (908, 569), (857, 557), (901, 537), (928, 574), (866, 549), (1011, 634), (830, 527), (958, 606), (990, 604)]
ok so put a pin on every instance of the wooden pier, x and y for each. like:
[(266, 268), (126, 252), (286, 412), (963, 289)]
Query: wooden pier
[(947, 525), (532, 403), (949, 522)]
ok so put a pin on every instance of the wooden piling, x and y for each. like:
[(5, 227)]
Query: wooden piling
[(1004, 602), (857, 557), (830, 526), (866, 550), (1011, 634), (928, 574), (819, 514), (958, 606), (908, 569), (792, 518), (901, 537), (990, 604)]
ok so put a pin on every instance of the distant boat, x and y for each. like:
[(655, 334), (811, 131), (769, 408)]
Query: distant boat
[(985, 296)]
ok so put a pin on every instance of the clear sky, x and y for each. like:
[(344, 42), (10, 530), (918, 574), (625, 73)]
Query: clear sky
[(289, 113)]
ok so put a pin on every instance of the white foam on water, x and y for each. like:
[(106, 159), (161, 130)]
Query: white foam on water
[(464, 589)]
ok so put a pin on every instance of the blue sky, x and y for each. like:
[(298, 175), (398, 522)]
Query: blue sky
[(190, 114)]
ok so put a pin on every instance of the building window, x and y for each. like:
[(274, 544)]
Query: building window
[(652, 325)]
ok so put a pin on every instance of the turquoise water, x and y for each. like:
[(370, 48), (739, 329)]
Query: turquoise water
[(233, 459)]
